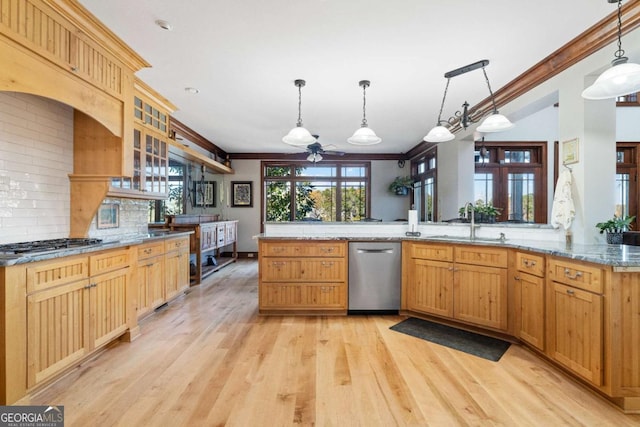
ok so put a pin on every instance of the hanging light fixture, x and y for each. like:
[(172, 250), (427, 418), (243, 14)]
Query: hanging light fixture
[(495, 122), (364, 135), (622, 78), (440, 133), (314, 157), (299, 136)]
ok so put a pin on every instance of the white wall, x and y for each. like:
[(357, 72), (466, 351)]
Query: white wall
[(36, 155)]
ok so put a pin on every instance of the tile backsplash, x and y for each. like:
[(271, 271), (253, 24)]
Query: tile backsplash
[(36, 157)]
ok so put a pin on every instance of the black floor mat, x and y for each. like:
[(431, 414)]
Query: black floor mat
[(478, 345)]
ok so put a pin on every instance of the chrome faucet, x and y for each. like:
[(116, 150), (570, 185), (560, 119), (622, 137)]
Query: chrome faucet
[(472, 230)]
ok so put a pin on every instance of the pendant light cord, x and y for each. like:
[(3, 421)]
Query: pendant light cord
[(620, 52), (364, 105), (299, 123), (493, 100), (446, 88)]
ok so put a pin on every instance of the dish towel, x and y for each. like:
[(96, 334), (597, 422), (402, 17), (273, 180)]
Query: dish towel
[(563, 211)]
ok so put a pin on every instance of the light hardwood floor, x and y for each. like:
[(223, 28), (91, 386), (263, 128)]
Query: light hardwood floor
[(209, 359)]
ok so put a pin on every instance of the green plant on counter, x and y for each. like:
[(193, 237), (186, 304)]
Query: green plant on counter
[(616, 224), (482, 212), (401, 185)]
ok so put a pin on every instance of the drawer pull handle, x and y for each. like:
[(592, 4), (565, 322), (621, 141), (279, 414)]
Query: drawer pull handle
[(570, 291), (326, 264), (528, 263), (278, 264), (450, 268), (516, 277), (278, 249), (328, 250), (568, 275)]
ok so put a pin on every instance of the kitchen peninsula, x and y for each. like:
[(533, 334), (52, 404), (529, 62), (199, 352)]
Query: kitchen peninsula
[(575, 306)]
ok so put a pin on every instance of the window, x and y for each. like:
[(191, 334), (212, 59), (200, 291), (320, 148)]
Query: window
[(174, 204), (424, 194), (626, 179), (300, 191), (512, 177)]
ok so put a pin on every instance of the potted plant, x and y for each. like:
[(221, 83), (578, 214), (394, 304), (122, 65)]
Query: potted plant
[(614, 228), (401, 185), (483, 213)]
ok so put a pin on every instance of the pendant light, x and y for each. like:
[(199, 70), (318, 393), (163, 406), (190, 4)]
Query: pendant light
[(495, 122), (622, 78), (364, 135), (299, 136), (440, 133)]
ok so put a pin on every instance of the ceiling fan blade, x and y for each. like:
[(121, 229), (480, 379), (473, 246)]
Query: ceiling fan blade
[(333, 153), (329, 147)]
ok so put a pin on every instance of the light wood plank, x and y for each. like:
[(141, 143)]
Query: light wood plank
[(210, 359)]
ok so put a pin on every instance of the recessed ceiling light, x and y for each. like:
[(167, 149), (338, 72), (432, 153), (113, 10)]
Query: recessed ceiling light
[(165, 25), (191, 90)]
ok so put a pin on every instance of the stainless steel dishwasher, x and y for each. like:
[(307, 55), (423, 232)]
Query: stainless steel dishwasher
[(374, 277)]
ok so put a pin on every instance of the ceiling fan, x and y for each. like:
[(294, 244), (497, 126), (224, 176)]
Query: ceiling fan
[(316, 150)]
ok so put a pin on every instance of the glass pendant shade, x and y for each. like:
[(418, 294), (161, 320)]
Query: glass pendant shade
[(298, 136), (495, 123), (621, 79), (364, 136), (439, 134), (314, 157)]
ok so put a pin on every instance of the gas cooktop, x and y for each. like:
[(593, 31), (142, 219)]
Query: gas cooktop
[(39, 246)]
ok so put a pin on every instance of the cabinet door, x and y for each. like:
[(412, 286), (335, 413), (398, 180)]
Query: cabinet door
[(57, 334), (430, 287), (530, 308), (575, 336), (480, 295), (150, 284), (325, 296), (280, 295), (176, 273), (108, 306)]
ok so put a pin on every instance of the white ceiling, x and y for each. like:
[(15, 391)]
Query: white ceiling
[(244, 55)]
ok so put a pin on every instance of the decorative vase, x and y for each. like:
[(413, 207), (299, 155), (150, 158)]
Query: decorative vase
[(614, 238)]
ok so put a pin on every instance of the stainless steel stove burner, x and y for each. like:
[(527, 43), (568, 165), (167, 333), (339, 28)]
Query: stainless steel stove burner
[(46, 245)]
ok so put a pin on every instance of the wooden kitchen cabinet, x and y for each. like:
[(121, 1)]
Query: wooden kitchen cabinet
[(575, 318), (176, 266), (309, 277), (74, 306), (466, 283), (431, 278), (212, 245), (529, 298), (149, 155), (150, 277)]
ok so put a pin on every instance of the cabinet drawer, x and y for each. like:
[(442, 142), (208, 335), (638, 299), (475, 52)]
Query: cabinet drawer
[(485, 256), (177, 244), (47, 274), (149, 250), (109, 261), (529, 263), (580, 276), (304, 249), (303, 269), (433, 252), (303, 296)]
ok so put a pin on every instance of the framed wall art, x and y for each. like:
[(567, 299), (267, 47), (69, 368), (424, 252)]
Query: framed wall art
[(204, 194), (570, 151), (241, 194), (108, 215)]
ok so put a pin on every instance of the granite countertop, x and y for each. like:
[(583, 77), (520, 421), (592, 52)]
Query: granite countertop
[(623, 256), (7, 260)]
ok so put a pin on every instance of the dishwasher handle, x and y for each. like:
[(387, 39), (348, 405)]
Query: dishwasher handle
[(375, 251)]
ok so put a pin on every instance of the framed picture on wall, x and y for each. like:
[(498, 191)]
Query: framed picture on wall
[(241, 194), (570, 151), (108, 215), (204, 194)]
